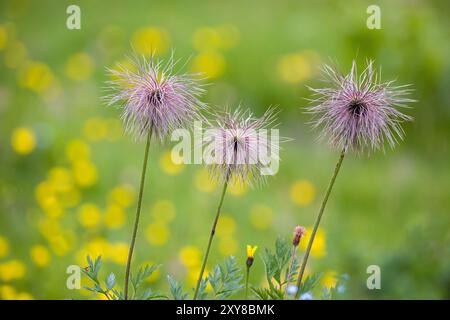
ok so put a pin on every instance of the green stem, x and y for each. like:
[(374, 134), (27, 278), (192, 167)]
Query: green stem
[(316, 224), (213, 231), (246, 282), (138, 213)]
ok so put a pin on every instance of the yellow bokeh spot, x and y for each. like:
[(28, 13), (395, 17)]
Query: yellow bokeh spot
[(4, 247), (157, 233), (15, 54), (60, 178), (295, 68), (24, 296), (329, 279), (36, 76), (3, 37), (302, 192), (151, 40), (70, 197), (23, 140), (163, 211), (190, 256), (261, 216), (114, 217), (60, 244), (118, 253), (318, 248), (49, 228), (85, 173), (12, 270), (77, 149), (203, 182), (229, 36), (79, 67), (228, 246), (7, 292), (211, 64), (226, 226), (122, 195), (96, 129), (237, 188), (206, 38), (89, 215), (168, 166), (40, 255)]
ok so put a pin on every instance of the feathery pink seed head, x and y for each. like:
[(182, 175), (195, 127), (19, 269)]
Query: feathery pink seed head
[(154, 98), (358, 111), (237, 142)]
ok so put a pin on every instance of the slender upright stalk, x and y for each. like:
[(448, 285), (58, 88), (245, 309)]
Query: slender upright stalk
[(316, 224), (213, 231), (247, 276), (138, 213), (291, 265)]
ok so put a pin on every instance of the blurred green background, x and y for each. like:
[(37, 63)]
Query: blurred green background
[(69, 178)]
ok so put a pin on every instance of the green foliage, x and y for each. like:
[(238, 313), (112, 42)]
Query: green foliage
[(108, 290), (226, 279), (92, 272), (176, 289)]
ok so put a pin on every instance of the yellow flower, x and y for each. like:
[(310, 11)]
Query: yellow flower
[(203, 182), (157, 233), (23, 140), (40, 255), (12, 270), (226, 226), (329, 279), (168, 166), (318, 248), (261, 216), (77, 149), (251, 251), (163, 211), (79, 67), (211, 63), (114, 217), (4, 247), (151, 40), (190, 256), (85, 173), (302, 192), (89, 215)]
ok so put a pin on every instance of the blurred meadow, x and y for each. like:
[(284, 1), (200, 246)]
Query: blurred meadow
[(69, 177)]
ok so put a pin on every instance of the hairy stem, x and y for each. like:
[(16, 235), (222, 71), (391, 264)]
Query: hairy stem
[(317, 222), (138, 213), (246, 282), (213, 231)]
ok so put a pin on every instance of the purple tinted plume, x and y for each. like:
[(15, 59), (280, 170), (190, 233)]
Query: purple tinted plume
[(358, 111), (240, 141), (153, 97)]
